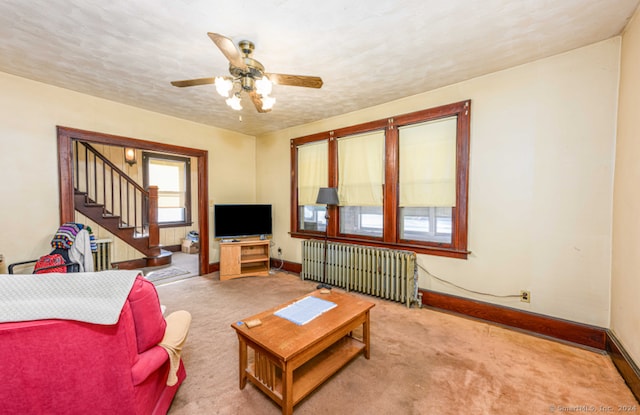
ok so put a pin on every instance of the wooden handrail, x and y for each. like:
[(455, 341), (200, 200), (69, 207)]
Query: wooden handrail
[(113, 166)]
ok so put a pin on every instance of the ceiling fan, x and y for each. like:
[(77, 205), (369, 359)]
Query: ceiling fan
[(248, 75)]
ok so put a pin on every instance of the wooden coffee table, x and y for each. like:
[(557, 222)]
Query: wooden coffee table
[(288, 361)]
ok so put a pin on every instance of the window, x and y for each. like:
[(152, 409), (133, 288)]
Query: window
[(427, 180), (172, 176), (361, 177), (361, 220), (313, 218), (426, 224), (312, 175), (402, 182)]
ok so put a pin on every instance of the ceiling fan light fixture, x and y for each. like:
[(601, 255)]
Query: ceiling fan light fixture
[(234, 102), (264, 86), (247, 75), (223, 86), (268, 102)]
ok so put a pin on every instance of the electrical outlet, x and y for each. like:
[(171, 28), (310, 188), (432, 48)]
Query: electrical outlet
[(525, 296), (279, 251)]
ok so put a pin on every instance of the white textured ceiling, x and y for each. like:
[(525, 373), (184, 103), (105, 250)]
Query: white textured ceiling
[(367, 52)]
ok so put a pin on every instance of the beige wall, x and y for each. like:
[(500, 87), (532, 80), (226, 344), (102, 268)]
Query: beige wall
[(29, 114), (542, 150), (625, 284)]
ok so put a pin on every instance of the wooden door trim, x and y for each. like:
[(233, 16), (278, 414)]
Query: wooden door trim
[(66, 135)]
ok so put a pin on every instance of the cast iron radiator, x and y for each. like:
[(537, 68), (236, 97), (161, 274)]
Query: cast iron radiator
[(385, 273), (102, 257)]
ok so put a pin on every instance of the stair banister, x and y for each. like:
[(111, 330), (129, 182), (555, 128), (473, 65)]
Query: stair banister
[(144, 220)]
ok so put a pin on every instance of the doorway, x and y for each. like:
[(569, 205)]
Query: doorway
[(66, 137)]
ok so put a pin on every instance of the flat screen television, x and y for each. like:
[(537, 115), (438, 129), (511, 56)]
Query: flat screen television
[(231, 221)]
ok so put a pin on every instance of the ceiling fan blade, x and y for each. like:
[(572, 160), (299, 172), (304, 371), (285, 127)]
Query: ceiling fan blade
[(228, 49), (193, 82), (295, 80), (257, 101)]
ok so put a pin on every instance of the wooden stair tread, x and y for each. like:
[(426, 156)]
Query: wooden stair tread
[(127, 233)]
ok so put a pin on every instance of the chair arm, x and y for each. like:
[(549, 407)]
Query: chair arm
[(148, 362), (71, 266), (11, 266)]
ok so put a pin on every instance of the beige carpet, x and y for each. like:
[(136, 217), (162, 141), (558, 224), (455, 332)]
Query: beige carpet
[(422, 361)]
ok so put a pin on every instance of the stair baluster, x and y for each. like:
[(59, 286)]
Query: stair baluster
[(115, 201)]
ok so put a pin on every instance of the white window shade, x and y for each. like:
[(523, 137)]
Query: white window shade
[(168, 175), (361, 169), (313, 171), (171, 176), (170, 199), (427, 153)]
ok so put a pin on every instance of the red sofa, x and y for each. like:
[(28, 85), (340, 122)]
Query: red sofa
[(70, 367)]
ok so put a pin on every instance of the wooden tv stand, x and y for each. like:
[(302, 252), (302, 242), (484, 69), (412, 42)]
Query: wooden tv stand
[(244, 258)]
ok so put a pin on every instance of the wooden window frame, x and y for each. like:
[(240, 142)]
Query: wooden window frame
[(457, 248), (145, 178)]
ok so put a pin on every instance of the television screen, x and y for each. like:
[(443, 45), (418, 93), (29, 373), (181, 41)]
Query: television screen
[(231, 221)]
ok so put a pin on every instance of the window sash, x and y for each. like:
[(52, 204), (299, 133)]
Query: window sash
[(426, 224), (172, 176), (171, 215), (313, 218), (362, 220)]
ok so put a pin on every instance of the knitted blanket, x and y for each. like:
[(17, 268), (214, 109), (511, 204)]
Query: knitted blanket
[(93, 297)]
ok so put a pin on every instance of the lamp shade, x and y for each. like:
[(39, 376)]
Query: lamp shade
[(130, 156), (327, 196)]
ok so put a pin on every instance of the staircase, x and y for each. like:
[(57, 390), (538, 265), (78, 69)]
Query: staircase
[(108, 196)]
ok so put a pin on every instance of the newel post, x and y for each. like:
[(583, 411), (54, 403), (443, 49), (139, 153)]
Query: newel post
[(154, 230)]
